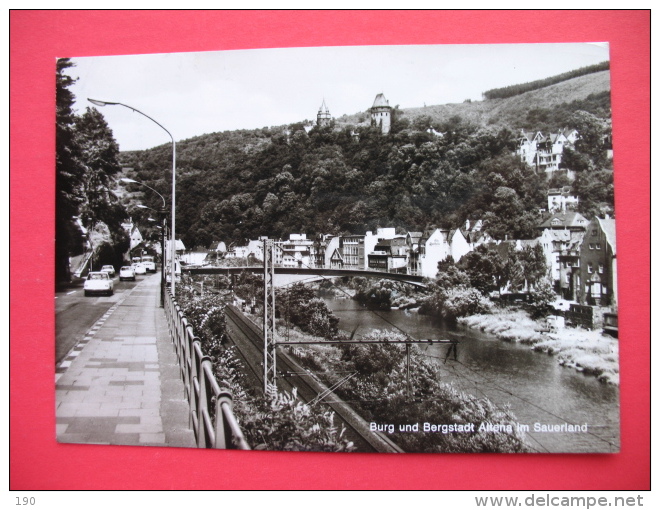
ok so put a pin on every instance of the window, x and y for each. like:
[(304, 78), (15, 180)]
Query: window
[(590, 268), (601, 268), (591, 246), (594, 232), (598, 246)]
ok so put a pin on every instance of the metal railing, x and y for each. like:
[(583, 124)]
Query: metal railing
[(217, 430)]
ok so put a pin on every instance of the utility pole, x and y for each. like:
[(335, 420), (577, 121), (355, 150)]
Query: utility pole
[(270, 347)]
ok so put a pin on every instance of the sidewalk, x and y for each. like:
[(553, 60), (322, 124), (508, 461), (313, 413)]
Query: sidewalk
[(121, 384)]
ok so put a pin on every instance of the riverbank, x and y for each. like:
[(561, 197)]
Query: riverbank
[(587, 351)]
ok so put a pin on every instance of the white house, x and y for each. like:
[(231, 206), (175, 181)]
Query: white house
[(544, 152), (297, 251), (433, 247), (561, 199)]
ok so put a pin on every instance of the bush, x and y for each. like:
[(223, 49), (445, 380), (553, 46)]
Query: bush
[(463, 301), (456, 302), (274, 422), (299, 306), (378, 391), (541, 297)]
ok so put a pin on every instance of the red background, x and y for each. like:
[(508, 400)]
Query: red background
[(38, 37)]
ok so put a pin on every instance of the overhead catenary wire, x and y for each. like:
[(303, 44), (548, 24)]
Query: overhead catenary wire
[(491, 383)]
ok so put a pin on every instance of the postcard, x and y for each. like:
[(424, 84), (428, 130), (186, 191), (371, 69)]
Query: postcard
[(396, 249)]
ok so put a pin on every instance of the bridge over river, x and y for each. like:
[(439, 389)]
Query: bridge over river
[(287, 275)]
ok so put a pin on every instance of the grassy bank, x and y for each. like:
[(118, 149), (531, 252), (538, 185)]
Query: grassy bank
[(588, 351)]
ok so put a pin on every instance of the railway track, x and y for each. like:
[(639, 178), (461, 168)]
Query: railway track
[(248, 339)]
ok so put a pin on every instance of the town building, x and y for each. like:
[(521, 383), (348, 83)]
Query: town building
[(569, 220), (179, 247), (434, 246), (598, 280), (196, 256), (561, 199), (390, 255), (297, 251), (474, 234), (554, 242), (569, 267), (347, 252), (544, 152)]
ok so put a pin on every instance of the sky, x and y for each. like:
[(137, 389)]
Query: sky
[(192, 94)]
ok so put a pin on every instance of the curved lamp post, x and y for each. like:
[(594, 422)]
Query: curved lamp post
[(162, 249), (161, 213), (173, 234)]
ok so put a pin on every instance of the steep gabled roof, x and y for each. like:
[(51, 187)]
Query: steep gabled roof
[(566, 219), (608, 226)]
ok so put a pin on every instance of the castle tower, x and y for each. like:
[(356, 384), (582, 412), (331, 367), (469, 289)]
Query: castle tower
[(323, 116), (381, 113)]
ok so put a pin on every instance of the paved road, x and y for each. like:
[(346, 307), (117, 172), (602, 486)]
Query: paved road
[(75, 314)]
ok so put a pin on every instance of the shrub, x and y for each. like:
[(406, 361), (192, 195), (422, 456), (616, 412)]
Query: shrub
[(299, 306), (274, 422), (463, 301), (378, 391), (456, 302)]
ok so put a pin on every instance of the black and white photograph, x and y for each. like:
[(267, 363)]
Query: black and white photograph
[(396, 249)]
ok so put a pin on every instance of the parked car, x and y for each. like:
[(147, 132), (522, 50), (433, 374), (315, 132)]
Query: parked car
[(98, 283), (139, 268), (109, 269), (127, 273)]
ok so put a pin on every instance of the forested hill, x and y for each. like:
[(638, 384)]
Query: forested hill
[(349, 178), (532, 110)]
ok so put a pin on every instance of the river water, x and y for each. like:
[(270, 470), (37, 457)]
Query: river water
[(536, 389)]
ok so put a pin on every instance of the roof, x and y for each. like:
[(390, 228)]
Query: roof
[(179, 245), (558, 235), (380, 101), (564, 191), (566, 219), (608, 226), (323, 108)]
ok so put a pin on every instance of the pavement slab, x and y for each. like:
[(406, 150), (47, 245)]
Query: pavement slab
[(120, 385)]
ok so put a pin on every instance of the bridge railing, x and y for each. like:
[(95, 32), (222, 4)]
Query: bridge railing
[(219, 429)]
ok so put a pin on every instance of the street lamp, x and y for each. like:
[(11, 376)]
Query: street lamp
[(133, 181), (162, 250), (173, 241)]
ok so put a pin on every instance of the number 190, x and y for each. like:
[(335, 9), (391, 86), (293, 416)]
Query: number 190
[(25, 501)]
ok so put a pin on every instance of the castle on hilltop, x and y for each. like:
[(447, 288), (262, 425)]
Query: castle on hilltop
[(323, 117), (381, 114)]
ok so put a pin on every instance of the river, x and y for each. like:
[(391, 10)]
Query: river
[(536, 389)]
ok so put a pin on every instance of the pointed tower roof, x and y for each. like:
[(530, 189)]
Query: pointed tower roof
[(323, 108), (380, 101)]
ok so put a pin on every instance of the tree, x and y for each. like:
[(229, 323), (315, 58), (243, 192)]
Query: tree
[(99, 155), (485, 269), (591, 136), (68, 172), (299, 306)]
